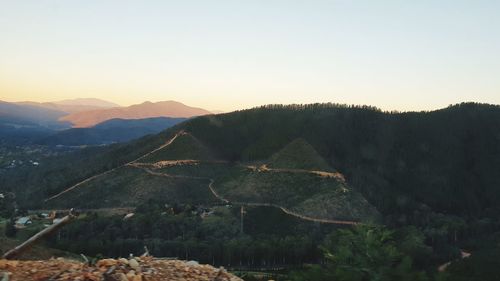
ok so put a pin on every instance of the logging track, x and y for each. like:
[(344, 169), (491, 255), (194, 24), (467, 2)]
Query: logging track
[(263, 168), (180, 133), (249, 204)]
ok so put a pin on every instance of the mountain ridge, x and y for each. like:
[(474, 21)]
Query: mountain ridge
[(144, 110), (394, 160)]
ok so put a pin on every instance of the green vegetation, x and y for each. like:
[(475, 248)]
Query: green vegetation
[(184, 147), (418, 158), (10, 229), (369, 253), (39, 251), (188, 183), (129, 187), (179, 231), (430, 177), (299, 155), (308, 194)]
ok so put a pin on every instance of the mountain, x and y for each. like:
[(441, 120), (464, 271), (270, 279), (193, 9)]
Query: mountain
[(31, 114), (145, 110), (111, 131), (67, 109), (88, 102), (20, 124), (73, 106), (401, 165), (299, 154)]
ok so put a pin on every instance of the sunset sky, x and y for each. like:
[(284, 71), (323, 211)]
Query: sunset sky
[(406, 55)]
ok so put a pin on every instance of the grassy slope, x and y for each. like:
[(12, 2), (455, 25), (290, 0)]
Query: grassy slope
[(129, 187), (184, 147), (421, 156), (305, 193), (299, 154)]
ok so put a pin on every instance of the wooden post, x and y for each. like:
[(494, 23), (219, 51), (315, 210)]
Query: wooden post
[(47, 231), (242, 213)]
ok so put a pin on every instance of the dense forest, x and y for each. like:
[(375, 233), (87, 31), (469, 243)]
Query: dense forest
[(397, 160), (433, 176)]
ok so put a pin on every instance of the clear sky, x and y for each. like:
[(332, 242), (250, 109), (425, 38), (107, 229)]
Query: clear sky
[(406, 55)]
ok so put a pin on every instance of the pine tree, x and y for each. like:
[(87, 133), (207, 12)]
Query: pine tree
[(10, 228)]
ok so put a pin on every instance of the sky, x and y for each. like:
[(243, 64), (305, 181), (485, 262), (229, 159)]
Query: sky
[(226, 55)]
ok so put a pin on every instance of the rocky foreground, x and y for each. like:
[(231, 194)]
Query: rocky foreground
[(133, 269)]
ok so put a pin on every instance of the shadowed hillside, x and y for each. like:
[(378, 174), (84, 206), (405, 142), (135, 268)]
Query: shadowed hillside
[(397, 161), (184, 147), (299, 155)]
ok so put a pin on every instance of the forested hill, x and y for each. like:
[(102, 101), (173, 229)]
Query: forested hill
[(447, 159)]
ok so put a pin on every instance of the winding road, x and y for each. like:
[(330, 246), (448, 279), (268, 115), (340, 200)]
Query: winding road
[(180, 133), (250, 204), (263, 168)]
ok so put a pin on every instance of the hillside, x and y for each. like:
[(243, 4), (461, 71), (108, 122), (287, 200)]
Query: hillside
[(72, 106), (20, 124), (298, 155), (195, 176), (23, 115), (144, 110), (397, 161), (183, 148)]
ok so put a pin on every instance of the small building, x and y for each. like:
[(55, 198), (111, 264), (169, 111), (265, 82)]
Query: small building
[(128, 216), (23, 222), (206, 214)]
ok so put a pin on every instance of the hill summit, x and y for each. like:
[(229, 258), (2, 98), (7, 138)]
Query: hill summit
[(184, 147), (299, 154)]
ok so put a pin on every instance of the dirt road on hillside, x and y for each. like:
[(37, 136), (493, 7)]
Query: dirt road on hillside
[(169, 142), (253, 204), (263, 168)]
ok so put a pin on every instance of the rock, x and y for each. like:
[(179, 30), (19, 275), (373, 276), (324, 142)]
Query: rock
[(148, 269), (106, 262), (131, 275), (192, 263), (121, 277), (134, 264)]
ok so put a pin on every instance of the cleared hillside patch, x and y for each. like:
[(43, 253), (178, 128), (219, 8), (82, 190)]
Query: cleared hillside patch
[(299, 154), (184, 147), (130, 186)]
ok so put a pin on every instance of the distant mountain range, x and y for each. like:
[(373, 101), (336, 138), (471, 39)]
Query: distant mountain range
[(74, 105), (319, 161), (144, 110), (46, 123), (31, 115), (88, 102)]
